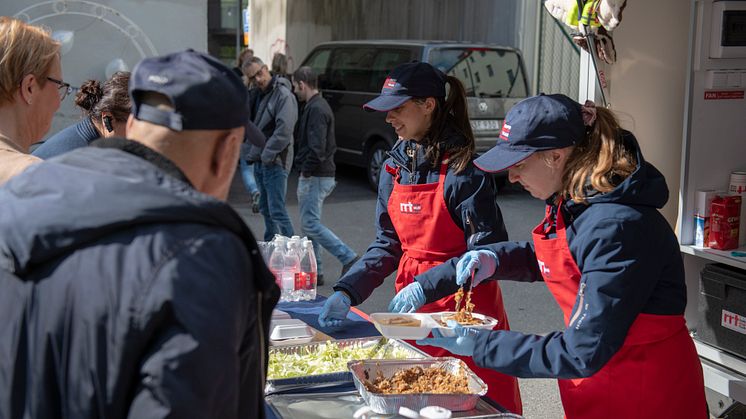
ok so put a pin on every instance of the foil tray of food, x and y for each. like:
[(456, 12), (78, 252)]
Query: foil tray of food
[(326, 362), (387, 385)]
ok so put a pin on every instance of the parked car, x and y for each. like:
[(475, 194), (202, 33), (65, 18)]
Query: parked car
[(351, 73)]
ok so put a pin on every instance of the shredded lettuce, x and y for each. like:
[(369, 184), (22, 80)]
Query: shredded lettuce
[(326, 358)]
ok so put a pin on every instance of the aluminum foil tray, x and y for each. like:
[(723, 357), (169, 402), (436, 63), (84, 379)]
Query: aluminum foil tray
[(390, 403), (341, 376)]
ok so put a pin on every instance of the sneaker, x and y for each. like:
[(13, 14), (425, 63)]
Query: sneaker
[(255, 202), (346, 267)]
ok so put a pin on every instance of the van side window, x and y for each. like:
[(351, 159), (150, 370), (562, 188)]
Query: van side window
[(387, 60), (350, 69), (318, 61)]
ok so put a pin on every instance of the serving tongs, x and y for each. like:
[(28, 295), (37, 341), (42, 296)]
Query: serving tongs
[(465, 291)]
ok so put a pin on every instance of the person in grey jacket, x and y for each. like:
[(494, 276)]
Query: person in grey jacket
[(134, 290), (275, 112)]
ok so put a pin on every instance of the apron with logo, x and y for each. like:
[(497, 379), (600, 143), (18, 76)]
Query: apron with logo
[(428, 238), (655, 374)]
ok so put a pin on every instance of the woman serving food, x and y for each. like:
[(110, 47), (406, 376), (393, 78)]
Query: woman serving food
[(607, 255), (433, 205)]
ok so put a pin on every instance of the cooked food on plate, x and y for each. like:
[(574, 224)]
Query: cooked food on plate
[(401, 321), (420, 380)]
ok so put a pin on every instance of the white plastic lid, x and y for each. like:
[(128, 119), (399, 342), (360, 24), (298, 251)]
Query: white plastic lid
[(435, 412)]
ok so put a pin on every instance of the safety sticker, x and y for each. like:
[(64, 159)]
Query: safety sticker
[(733, 321), (723, 94)]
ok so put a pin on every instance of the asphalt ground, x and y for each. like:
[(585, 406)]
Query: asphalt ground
[(350, 212)]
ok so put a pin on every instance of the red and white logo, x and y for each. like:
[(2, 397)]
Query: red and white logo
[(733, 321), (505, 132), (410, 208), (389, 83), (543, 269)]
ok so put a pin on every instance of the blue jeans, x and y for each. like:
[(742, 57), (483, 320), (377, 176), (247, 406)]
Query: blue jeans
[(247, 174), (311, 194), (272, 181)]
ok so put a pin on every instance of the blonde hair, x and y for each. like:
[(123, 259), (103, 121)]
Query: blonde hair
[(24, 50), (600, 160)]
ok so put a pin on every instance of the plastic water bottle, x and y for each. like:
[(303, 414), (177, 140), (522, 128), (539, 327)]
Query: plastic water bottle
[(308, 272), (292, 266), (277, 260)]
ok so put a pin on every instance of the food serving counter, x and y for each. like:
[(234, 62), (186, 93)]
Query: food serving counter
[(336, 396)]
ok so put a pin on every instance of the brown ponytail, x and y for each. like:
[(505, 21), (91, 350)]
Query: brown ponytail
[(112, 97), (450, 113), (600, 160), (88, 96)]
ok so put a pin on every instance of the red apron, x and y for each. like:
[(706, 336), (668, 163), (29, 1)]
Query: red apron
[(655, 374), (428, 238)]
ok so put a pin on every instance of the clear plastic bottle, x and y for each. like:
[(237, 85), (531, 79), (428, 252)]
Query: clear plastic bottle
[(291, 268), (308, 271), (277, 259)]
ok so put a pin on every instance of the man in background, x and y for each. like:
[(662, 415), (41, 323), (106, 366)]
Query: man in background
[(134, 290), (315, 161), (275, 114)]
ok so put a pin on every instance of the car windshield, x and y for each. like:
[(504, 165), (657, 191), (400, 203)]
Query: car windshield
[(485, 72)]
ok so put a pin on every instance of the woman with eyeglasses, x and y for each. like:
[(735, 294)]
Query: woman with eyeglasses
[(106, 109), (31, 90)]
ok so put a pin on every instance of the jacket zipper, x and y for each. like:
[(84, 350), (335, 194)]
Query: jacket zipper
[(581, 293), (260, 329), (472, 232)]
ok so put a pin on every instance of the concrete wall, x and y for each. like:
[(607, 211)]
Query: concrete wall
[(269, 28), (647, 84), (296, 26)]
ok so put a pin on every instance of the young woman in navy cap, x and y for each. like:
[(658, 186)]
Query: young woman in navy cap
[(607, 255), (433, 205)]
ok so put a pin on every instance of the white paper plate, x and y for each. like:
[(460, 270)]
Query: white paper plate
[(392, 331), (487, 323)]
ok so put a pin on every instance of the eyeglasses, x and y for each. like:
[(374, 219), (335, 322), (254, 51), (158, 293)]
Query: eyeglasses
[(63, 88)]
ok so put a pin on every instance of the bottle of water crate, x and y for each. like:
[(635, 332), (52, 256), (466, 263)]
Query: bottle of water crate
[(308, 271), (292, 266)]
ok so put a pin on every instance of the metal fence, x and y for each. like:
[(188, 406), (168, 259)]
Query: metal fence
[(559, 58)]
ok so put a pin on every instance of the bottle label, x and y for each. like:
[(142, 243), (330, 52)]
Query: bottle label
[(305, 281), (300, 280)]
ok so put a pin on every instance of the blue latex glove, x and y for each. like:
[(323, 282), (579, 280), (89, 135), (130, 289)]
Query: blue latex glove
[(483, 261), (461, 344), (335, 310), (408, 300)]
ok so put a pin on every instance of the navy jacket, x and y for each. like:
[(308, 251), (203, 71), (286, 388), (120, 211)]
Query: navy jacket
[(469, 195), (134, 296), (75, 136), (630, 263), (316, 141)]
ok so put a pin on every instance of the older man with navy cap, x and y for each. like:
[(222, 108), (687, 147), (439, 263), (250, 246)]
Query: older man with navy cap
[(134, 290)]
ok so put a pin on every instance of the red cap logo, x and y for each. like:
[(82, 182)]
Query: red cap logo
[(505, 132), (389, 83)]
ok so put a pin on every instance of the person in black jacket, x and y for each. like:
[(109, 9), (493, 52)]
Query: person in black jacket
[(134, 290), (315, 161)]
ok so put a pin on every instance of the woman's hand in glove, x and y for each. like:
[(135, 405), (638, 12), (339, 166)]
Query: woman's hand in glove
[(461, 344), (484, 262), (335, 310), (409, 299)]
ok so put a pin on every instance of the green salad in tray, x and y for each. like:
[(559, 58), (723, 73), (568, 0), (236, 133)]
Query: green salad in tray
[(327, 357)]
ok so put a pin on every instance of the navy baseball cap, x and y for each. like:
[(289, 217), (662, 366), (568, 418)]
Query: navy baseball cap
[(205, 93), (543, 122), (407, 81)]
